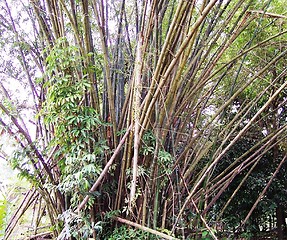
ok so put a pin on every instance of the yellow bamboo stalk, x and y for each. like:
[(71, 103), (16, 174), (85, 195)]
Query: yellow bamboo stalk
[(149, 105)]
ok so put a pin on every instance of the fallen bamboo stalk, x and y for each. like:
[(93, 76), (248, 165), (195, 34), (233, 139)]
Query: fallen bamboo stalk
[(146, 229)]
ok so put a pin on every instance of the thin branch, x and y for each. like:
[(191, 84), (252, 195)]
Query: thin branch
[(263, 192)]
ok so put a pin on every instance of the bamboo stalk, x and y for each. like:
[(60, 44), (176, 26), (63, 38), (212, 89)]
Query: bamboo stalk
[(104, 172), (263, 191), (136, 111), (230, 144), (28, 199), (204, 222), (146, 229), (110, 91)]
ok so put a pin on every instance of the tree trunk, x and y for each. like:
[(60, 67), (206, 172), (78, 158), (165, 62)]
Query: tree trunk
[(280, 221)]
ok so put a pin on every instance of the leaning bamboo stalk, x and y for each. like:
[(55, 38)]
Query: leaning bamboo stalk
[(204, 221), (143, 228), (225, 185), (211, 75), (266, 14), (23, 58), (271, 136), (202, 46), (204, 76), (241, 54), (243, 24), (238, 187), (30, 142), (258, 153), (264, 190), (216, 160), (149, 106), (250, 160), (29, 198), (231, 99), (105, 171), (246, 111), (220, 179)]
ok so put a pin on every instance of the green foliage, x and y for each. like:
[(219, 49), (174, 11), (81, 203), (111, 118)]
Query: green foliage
[(76, 125), (181, 95), (148, 146), (21, 159), (126, 233), (80, 168), (78, 227), (3, 208), (165, 161), (206, 235)]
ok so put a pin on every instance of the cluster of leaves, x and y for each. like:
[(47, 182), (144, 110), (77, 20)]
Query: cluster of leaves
[(126, 233), (77, 227), (164, 158), (21, 159), (75, 124)]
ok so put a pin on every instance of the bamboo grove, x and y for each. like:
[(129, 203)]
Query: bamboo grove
[(135, 109)]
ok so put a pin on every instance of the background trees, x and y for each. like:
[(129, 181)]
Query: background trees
[(150, 112)]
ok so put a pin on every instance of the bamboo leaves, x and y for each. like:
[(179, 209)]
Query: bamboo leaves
[(145, 102)]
